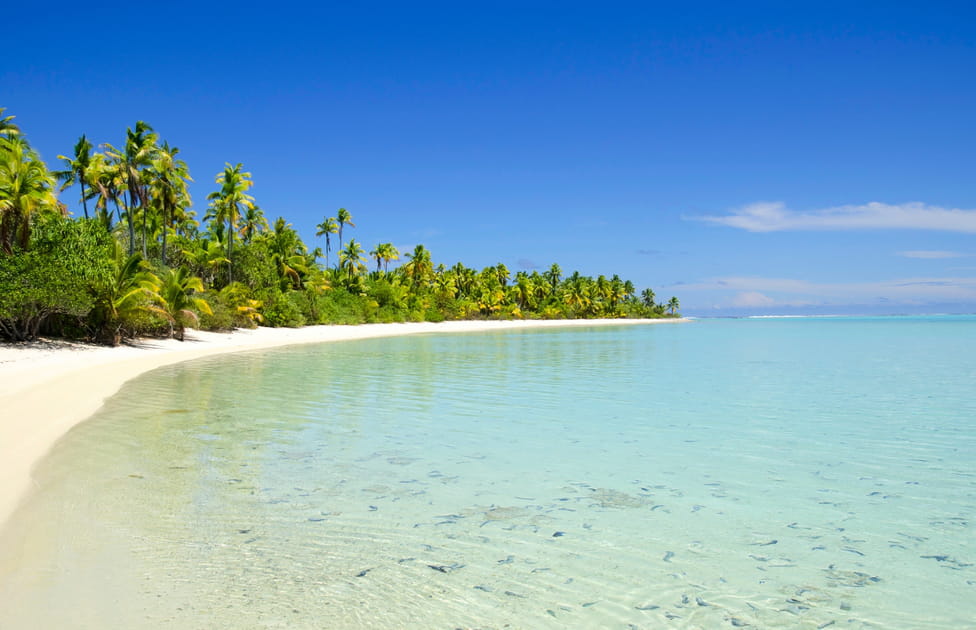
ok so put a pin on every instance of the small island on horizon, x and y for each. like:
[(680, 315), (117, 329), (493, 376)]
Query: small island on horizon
[(138, 261)]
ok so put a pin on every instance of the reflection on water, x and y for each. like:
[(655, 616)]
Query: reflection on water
[(767, 474)]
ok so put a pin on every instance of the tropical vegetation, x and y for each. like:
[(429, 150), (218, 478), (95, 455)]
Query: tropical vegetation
[(139, 261)]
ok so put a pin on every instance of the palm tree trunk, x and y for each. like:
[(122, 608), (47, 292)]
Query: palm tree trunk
[(84, 201), (165, 229), (131, 223), (230, 249)]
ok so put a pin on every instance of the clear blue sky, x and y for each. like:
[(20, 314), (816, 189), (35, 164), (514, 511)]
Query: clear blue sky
[(726, 153)]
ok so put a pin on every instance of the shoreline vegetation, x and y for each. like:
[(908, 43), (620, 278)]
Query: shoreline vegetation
[(137, 261)]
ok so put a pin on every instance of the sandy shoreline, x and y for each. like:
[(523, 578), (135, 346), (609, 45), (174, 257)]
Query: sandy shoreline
[(46, 388)]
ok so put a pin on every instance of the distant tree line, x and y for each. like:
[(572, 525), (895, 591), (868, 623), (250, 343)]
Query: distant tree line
[(139, 262)]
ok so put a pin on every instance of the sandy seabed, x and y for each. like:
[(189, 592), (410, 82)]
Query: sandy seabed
[(47, 387)]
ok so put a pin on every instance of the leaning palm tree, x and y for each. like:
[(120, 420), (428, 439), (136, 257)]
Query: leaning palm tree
[(673, 305), (343, 218), (178, 301), (26, 189), (325, 228), (77, 169), (228, 203)]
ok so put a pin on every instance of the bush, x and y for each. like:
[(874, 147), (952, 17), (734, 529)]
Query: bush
[(52, 278)]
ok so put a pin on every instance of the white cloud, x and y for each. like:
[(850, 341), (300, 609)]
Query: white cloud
[(776, 217), (741, 290), (932, 254)]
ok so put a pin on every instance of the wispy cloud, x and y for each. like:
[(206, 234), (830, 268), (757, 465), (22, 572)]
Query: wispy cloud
[(752, 299), (525, 263), (932, 254), (748, 291), (774, 216)]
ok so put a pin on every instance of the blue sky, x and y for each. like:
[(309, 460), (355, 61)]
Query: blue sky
[(749, 158)]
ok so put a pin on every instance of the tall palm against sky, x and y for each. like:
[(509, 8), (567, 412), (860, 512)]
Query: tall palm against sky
[(168, 177), (325, 228), (351, 259), (383, 254), (228, 203), (105, 179), (343, 218), (76, 169), (140, 145), (673, 305)]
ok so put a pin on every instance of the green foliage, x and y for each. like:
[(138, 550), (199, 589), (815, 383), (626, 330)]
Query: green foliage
[(51, 281), (88, 276)]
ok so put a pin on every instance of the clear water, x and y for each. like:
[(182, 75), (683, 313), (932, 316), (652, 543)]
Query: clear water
[(749, 473)]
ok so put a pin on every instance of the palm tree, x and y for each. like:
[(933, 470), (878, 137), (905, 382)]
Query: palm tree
[(26, 189), (420, 268), (287, 253), (105, 179), (351, 259), (553, 275), (228, 203), (384, 253), (647, 297), (673, 305), (8, 128), (177, 300), (140, 145), (132, 290), (168, 178), (77, 169), (252, 223), (326, 227), (343, 218)]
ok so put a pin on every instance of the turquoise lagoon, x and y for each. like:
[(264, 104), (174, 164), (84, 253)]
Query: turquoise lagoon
[(775, 473)]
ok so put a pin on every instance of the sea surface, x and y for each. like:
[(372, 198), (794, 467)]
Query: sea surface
[(774, 473)]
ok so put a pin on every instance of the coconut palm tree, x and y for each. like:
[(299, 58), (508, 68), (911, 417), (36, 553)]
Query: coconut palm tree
[(26, 189), (132, 290), (325, 228), (287, 253), (177, 300), (168, 178), (673, 305), (140, 146), (343, 218), (553, 275), (227, 203), (647, 298), (351, 259), (252, 223), (107, 183), (8, 128), (383, 254), (77, 169), (420, 268)]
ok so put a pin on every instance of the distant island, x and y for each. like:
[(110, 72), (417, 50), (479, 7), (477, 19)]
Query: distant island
[(139, 262)]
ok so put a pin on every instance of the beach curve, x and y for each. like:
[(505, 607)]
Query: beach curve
[(48, 388)]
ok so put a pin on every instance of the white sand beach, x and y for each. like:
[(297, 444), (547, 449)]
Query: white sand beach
[(47, 387)]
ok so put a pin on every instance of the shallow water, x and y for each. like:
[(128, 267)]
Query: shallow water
[(747, 473)]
